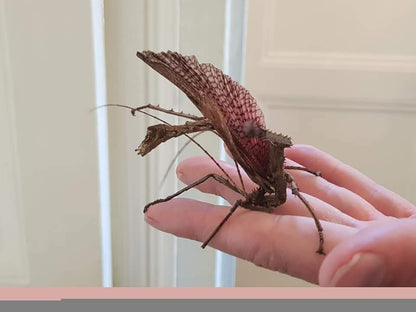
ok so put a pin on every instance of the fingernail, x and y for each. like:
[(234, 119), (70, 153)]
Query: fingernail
[(364, 269)]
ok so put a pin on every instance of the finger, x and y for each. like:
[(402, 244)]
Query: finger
[(194, 168), (286, 244), (383, 254), (345, 176), (322, 210), (339, 197)]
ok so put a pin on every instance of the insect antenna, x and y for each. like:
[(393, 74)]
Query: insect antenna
[(107, 105), (132, 109)]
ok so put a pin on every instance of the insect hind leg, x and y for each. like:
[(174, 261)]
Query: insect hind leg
[(295, 191)]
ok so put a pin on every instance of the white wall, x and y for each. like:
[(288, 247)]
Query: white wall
[(49, 231)]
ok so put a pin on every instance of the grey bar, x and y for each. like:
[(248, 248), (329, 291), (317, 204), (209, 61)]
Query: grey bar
[(211, 305)]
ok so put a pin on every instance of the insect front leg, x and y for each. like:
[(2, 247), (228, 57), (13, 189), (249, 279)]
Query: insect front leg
[(160, 133), (295, 191)]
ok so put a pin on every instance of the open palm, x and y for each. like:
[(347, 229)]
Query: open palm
[(369, 231)]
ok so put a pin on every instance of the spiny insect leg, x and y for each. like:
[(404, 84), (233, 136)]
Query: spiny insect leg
[(167, 111), (233, 208), (196, 183), (316, 173), (295, 191), (160, 133)]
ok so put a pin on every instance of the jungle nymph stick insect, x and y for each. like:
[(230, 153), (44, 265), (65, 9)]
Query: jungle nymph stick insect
[(232, 113)]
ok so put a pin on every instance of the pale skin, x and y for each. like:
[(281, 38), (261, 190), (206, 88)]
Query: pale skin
[(369, 231)]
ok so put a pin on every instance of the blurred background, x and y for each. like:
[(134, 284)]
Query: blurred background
[(339, 75)]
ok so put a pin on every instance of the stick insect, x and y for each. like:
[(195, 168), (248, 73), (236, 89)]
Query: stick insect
[(232, 113)]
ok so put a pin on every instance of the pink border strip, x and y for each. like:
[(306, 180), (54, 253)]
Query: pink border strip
[(204, 293)]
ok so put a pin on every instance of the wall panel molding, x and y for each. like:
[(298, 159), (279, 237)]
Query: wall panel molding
[(313, 59), (334, 73), (351, 104), (13, 247), (142, 255), (340, 61)]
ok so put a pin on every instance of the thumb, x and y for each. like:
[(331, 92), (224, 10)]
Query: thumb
[(383, 254)]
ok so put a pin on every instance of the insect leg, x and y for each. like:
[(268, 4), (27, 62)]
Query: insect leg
[(233, 208), (160, 133), (295, 191), (316, 173), (196, 183)]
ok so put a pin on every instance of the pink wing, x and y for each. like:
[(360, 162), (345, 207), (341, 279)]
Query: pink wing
[(228, 105)]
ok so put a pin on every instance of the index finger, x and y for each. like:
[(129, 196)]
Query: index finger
[(282, 243)]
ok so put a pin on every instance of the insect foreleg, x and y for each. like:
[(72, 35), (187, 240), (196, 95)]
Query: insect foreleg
[(316, 173), (160, 133), (295, 191)]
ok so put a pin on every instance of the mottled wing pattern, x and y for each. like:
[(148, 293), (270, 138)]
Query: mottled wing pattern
[(221, 100)]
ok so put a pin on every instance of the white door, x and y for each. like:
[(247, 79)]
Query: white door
[(49, 203), (340, 75)]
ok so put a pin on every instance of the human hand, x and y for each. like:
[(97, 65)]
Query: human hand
[(369, 231)]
